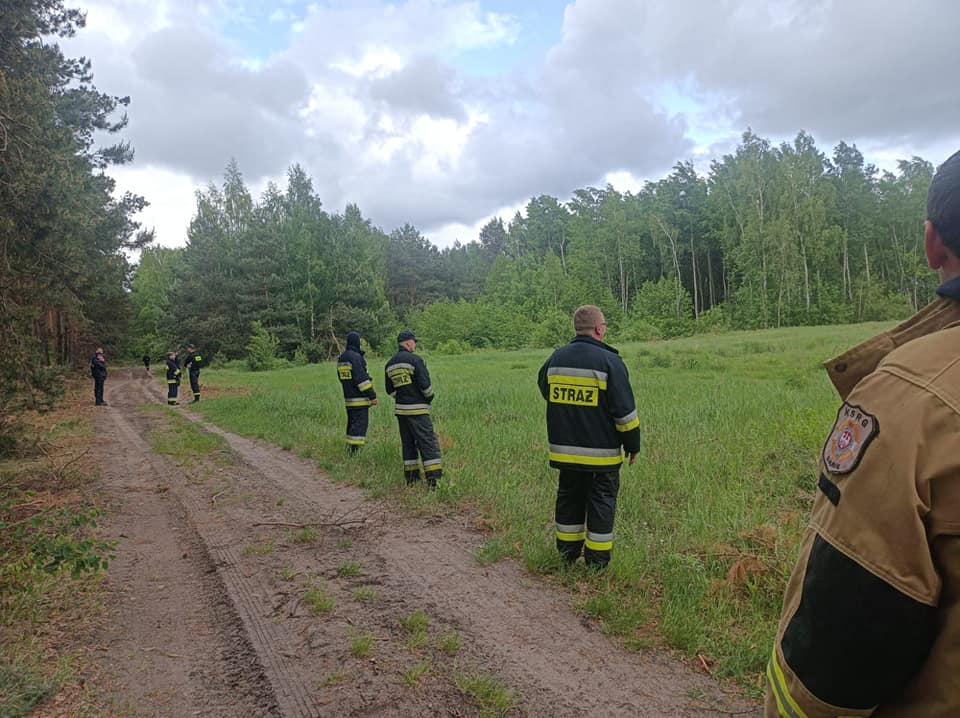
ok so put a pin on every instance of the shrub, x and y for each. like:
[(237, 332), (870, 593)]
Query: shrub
[(713, 320), (452, 346), (261, 349), (554, 329)]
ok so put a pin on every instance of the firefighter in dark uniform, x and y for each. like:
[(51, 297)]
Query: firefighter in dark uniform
[(871, 616), (173, 378), (98, 370), (193, 363), (358, 392), (591, 420), (146, 362), (407, 380)]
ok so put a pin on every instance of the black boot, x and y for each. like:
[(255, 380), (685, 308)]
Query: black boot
[(412, 477)]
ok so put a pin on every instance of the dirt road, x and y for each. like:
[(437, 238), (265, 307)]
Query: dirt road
[(250, 585)]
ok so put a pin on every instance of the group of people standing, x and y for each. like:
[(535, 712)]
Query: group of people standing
[(591, 421), (407, 380), (193, 362)]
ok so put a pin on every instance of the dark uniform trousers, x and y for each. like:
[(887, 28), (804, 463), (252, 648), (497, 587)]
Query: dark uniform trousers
[(358, 419), (172, 386), (195, 384), (98, 389), (586, 504), (417, 437)]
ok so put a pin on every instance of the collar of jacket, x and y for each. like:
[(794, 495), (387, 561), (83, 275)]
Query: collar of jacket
[(847, 369), (595, 342)]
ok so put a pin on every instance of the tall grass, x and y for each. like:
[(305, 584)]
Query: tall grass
[(708, 519)]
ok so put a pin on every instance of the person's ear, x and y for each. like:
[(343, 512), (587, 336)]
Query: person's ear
[(933, 245)]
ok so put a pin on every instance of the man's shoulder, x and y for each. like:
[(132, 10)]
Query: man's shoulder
[(931, 361)]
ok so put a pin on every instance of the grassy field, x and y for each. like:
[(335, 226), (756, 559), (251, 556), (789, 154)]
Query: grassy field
[(708, 519)]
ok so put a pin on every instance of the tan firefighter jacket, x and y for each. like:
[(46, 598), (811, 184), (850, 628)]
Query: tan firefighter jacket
[(871, 615)]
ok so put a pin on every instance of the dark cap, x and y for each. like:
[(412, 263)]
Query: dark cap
[(353, 341), (405, 335), (943, 202)]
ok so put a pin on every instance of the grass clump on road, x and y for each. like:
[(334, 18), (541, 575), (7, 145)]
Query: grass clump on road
[(449, 643), (365, 593), (493, 698), (415, 674), (264, 548), (317, 600), (362, 645), (708, 520), (349, 570)]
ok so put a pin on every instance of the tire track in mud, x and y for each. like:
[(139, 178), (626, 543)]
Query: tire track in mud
[(290, 691)]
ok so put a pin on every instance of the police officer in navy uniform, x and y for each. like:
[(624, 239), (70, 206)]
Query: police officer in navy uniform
[(193, 363), (173, 378), (407, 380), (358, 392), (591, 420), (98, 370)]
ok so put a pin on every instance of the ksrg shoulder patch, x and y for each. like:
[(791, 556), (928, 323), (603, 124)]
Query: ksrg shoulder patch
[(852, 433)]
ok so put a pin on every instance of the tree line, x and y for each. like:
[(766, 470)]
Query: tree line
[(772, 235), (63, 236)]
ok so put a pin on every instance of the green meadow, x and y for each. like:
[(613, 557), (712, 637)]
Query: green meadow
[(709, 517)]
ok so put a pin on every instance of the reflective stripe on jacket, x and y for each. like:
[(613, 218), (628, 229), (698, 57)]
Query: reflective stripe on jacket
[(354, 379), (407, 380)]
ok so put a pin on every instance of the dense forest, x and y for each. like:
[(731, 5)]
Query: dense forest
[(771, 236), (64, 237)]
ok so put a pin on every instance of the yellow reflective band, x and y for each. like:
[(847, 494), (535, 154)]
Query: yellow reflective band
[(598, 545), (354, 403), (357, 442), (433, 467), (629, 426), (171, 381), (363, 386), (577, 380), (588, 460), (411, 412), (778, 682), (571, 537)]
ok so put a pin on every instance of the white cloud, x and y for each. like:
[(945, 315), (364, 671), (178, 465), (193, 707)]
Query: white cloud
[(381, 103), (172, 200)]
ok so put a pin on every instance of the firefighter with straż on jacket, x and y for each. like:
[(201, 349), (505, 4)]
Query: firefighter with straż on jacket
[(358, 392), (173, 378), (193, 363), (591, 420), (871, 617), (407, 380)]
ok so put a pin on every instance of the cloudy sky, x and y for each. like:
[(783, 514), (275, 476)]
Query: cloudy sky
[(444, 113)]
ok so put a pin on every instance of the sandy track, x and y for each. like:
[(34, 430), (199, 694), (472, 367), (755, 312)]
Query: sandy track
[(240, 586)]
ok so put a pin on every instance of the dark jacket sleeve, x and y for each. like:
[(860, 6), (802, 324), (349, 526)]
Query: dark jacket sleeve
[(423, 379), (622, 406), (542, 379), (362, 378), (387, 384)]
